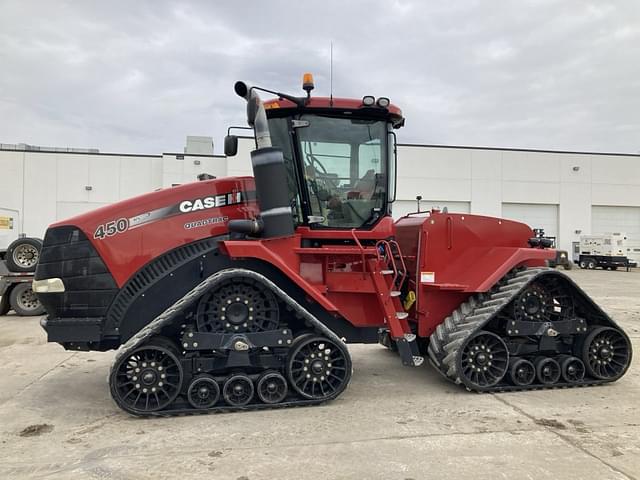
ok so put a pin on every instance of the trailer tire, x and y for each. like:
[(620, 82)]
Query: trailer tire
[(591, 264), (4, 304), (24, 302), (23, 254)]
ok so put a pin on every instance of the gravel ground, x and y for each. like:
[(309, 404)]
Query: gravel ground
[(58, 421)]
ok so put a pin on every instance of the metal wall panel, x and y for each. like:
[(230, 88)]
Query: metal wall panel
[(104, 179), (402, 207), (73, 177)]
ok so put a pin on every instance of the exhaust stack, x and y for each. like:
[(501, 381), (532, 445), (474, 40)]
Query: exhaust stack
[(256, 115), (270, 174)]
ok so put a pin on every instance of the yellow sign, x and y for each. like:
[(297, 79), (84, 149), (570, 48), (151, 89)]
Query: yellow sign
[(6, 223)]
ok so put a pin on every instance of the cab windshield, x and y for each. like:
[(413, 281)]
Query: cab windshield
[(344, 165)]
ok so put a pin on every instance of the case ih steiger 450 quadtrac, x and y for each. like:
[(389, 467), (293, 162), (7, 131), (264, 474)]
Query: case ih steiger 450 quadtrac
[(243, 292)]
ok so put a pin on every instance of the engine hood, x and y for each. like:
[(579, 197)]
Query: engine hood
[(129, 233)]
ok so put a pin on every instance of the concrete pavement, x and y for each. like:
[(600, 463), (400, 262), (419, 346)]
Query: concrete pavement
[(58, 421)]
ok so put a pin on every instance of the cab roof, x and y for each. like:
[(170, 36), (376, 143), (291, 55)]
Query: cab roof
[(327, 105)]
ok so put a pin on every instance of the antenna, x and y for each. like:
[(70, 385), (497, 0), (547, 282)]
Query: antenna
[(331, 74)]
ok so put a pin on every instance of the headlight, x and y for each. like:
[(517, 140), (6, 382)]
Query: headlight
[(48, 285)]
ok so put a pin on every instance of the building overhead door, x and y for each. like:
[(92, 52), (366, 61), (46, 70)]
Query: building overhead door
[(605, 219), (608, 219), (535, 215)]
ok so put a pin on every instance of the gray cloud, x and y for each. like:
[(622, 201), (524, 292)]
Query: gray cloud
[(140, 76)]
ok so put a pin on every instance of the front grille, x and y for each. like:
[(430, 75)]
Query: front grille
[(89, 287)]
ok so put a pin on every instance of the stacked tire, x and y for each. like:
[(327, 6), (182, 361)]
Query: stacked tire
[(22, 257)]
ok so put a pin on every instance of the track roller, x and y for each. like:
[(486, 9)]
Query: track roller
[(572, 369), (238, 390), (547, 370), (521, 372), (203, 392), (272, 387)]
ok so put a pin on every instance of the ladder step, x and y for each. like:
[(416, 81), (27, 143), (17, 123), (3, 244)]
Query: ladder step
[(401, 315), (387, 272), (395, 293)]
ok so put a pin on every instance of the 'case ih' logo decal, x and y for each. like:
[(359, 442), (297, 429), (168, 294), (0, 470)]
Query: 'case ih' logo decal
[(121, 225), (210, 202)]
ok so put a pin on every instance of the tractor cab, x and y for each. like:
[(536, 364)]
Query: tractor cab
[(338, 155)]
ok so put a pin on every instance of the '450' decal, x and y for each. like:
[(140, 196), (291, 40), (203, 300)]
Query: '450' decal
[(112, 228)]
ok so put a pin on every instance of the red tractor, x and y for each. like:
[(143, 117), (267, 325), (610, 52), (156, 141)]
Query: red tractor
[(242, 292)]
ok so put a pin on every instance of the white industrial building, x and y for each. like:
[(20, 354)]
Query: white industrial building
[(566, 193)]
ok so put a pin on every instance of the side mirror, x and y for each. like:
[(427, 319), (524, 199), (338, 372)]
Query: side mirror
[(230, 145)]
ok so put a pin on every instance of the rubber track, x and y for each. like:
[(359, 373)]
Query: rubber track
[(471, 316), (169, 315)]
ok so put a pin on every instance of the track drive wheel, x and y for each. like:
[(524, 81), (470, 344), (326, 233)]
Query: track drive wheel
[(318, 368), (483, 360), (238, 305), (148, 379), (606, 353)]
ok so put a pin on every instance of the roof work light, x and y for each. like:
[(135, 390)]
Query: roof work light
[(368, 100)]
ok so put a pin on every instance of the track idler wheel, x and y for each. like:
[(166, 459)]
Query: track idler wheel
[(521, 372), (547, 370), (149, 379), (318, 368), (272, 387), (203, 392), (606, 353), (483, 361), (238, 390), (572, 369)]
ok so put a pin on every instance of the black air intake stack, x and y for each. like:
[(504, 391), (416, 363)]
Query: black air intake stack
[(270, 174)]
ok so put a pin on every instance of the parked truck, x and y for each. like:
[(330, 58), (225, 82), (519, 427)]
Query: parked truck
[(18, 259), (607, 251)]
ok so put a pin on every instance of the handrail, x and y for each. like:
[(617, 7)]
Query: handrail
[(357, 241)]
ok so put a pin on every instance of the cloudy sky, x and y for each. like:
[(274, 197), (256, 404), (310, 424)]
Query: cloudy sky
[(126, 76)]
